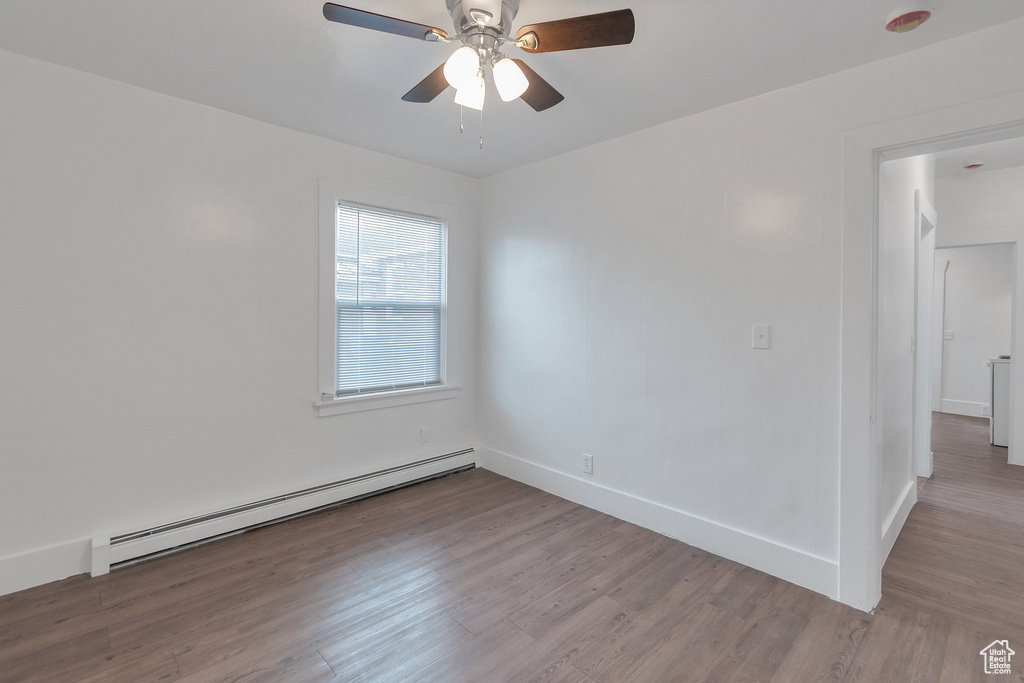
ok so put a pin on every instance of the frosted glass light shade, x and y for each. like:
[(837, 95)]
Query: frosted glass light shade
[(509, 79), (472, 94), (461, 68)]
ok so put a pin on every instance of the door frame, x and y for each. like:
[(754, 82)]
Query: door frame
[(860, 571), (924, 267)]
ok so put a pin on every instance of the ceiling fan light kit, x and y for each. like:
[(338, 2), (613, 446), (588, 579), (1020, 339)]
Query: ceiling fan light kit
[(462, 67), (484, 27), (509, 79), (472, 94)]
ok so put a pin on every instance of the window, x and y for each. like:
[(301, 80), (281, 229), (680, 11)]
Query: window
[(389, 298), (383, 312)]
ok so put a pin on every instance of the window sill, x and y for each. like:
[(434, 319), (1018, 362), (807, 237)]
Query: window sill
[(386, 399)]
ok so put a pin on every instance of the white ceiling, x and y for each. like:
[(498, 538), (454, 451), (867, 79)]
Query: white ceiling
[(995, 155), (282, 62)]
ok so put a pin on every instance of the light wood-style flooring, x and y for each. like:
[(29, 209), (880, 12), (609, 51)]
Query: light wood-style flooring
[(479, 578), (961, 553)]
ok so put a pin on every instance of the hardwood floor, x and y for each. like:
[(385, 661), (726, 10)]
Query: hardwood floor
[(479, 578), (961, 553)]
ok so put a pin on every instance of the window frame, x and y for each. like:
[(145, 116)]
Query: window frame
[(331, 194)]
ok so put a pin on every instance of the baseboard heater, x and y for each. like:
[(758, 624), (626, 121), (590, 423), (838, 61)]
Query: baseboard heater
[(129, 548)]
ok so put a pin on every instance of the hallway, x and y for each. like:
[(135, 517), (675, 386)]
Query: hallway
[(961, 553)]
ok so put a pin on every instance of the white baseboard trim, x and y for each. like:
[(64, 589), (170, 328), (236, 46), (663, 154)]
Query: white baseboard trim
[(43, 565), (897, 518), (969, 408), (188, 532), (793, 565), (96, 555), (100, 556), (926, 465)]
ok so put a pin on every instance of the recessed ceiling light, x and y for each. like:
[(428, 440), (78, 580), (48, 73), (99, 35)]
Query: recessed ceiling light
[(907, 19), (974, 165)]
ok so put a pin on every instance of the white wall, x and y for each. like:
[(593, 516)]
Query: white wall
[(925, 333), (620, 283), (158, 292), (938, 311), (976, 204), (897, 254), (979, 308)]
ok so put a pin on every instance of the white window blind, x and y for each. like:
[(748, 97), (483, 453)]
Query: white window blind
[(389, 296)]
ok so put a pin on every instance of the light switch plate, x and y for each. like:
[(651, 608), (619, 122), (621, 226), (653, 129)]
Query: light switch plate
[(761, 337)]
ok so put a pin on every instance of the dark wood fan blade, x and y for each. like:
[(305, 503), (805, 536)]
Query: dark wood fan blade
[(379, 22), (429, 88), (593, 30), (540, 95)]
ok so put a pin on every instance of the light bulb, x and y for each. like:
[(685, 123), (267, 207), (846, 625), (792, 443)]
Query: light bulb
[(509, 79), (472, 94), (462, 67)]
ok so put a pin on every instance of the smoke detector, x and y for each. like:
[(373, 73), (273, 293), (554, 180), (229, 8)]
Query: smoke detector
[(907, 18)]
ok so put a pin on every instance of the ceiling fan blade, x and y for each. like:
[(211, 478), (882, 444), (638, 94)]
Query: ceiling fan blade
[(593, 30), (379, 22), (540, 95), (429, 88)]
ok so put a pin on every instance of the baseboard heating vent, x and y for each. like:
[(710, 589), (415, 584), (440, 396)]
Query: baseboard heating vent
[(132, 547)]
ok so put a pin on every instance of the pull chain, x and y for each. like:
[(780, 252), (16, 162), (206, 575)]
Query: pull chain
[(462, 124)]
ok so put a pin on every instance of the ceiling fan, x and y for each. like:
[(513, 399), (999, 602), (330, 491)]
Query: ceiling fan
[(484, 28)]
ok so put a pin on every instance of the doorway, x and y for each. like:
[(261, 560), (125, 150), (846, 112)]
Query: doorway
[(952, 503), (945, 318), (945, 309), (997, 118)]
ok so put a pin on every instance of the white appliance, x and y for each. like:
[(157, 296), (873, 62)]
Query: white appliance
[(999, 431)]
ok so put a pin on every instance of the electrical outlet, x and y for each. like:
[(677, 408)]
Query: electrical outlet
[(588, 464), (424, 434)]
